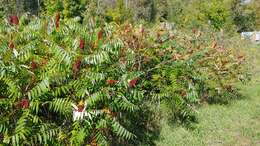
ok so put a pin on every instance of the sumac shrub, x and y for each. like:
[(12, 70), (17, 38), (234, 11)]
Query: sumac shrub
[(184, 69), (67, 85), (76, 84)]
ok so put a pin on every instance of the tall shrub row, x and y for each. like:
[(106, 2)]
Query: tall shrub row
[(67, 83)]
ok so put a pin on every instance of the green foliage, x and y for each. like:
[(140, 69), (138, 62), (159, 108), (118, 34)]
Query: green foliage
[(120, 13), (51, 72), (245, 15), (11, 7), (98, 83), (201, 13), (163, 10), (51, 7), (185, 69), (6, 7), (144, 10), (70, 9), (216, 13), (228, 15), (73, 8)]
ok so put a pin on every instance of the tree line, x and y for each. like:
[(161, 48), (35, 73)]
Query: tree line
[(232, 15)]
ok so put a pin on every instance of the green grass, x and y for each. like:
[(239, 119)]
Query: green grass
[(235, 124)]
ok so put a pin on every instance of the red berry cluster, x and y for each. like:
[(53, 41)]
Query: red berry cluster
[(11, 45), (14, 20), (57, 20), (133, 82), (81, 44), (33, 65), (100, 34), (76, 66), (80, 108), (111, 82), (25, 103)]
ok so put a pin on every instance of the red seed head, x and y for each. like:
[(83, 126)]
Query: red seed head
[(25, 103), (100, 34), (14, 20), (81, 44), (76, 66), (33, 65), (78, 63), (11, 45), (111, 82), (57, 20), (80, 106), (57, 16), (133, 82)]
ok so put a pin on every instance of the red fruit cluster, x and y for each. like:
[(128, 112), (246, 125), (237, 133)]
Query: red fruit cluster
[(33, 65), (14, 20), (25, 103), (76, 66), (11, 45), (57, 20), (111, 82), (80, 108), (133, 82), (100, 34), (81, 44)]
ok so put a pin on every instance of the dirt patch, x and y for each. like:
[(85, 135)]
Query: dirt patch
[(242, 141)]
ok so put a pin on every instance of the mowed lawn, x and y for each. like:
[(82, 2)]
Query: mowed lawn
[(235, 124)]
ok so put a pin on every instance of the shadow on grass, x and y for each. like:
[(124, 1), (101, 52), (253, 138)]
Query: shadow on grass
[(187, 121), (187, 118), (146, 128), (226, 97)]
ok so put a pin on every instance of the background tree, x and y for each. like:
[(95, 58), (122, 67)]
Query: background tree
[(10, 7), (244, 17), (255, 6), (163, 10), (51, 7), (144, 10), (119, 13), (73, 8), (7, 7), (185, 13)]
